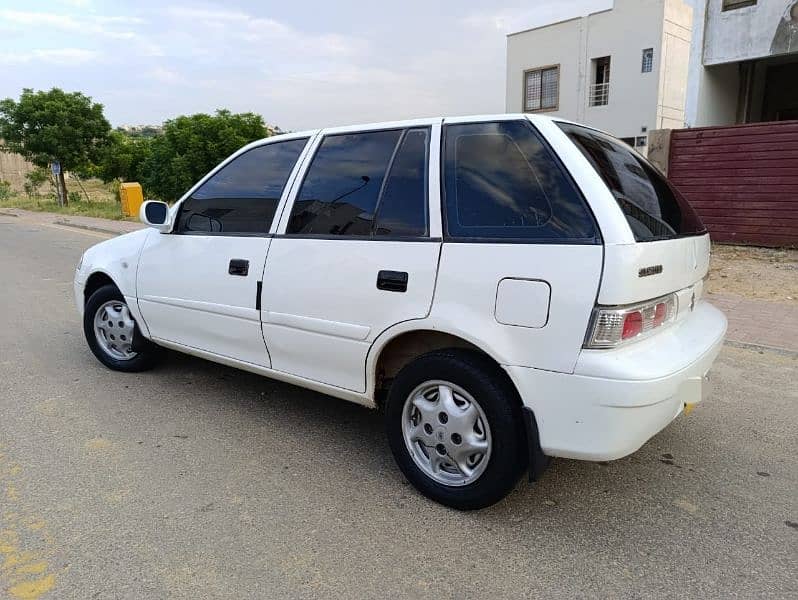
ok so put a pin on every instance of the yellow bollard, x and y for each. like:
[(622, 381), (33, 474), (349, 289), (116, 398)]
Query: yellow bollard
[(132, 198)]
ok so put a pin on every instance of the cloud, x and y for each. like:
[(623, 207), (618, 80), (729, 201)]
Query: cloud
[(111, 27), (510, 20), (258, 33), (54, 56), (165, 75)]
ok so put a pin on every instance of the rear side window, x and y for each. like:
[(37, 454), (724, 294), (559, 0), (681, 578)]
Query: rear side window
[(364, 185), (654, 209), (242, 197), (503, 183)]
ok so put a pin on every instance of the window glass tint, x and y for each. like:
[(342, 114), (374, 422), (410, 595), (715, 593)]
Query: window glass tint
[(242, 197), (502, 182), (340, 191), (653, 208), (403, 206)]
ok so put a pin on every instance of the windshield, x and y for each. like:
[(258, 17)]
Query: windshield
[(654, 209)]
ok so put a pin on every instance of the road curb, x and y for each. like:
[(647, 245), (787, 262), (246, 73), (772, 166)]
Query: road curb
[(8, 214), (88, 227), (750, 346)]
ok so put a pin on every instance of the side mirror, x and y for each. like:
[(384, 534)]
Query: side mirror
[(156, 214)]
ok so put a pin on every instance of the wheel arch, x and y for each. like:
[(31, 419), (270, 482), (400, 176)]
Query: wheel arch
[(99, 278), (397, 346), (95, 281)]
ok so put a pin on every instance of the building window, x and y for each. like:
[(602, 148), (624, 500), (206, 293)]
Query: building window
[(600, 88), (734, 4), (648, 60), (541, 89)]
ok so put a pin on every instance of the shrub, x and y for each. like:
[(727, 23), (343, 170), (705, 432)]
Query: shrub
[(74, 197), (5, 190)]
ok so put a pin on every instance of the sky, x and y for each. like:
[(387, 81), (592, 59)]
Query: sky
[(300, 64)]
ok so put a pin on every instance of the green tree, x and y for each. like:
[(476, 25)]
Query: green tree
[(190, 146), (54, 126), (122, 158)]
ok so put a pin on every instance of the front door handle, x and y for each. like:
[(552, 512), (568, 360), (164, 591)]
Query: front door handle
[(392, 281), (238, 266)]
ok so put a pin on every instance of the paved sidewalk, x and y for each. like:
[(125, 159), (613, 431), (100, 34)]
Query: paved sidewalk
[(108, 226), (759, 322), (751, 321)]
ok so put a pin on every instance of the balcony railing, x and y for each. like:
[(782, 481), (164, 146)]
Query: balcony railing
[(599, 94)]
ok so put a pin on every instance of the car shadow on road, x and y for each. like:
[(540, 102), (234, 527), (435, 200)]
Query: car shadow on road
[(329, 427)]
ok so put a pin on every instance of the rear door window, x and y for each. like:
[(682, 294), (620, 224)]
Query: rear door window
[(241, 198), (502, 182), (654, 209), (367, 184)]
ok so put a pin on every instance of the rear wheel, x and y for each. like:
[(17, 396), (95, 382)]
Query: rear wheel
[(113, 335), (455, 429)]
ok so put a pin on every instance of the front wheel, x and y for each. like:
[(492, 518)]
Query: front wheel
[(455, 429), (113, 335)]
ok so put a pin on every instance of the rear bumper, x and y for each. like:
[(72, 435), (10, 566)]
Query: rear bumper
[(616, 400)]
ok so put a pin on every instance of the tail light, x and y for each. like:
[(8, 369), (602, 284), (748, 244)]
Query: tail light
[(612, 326)]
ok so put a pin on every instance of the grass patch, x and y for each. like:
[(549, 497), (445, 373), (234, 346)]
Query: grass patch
[(104, 210), (101, 202)]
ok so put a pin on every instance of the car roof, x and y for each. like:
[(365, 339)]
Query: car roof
[(408, 123)]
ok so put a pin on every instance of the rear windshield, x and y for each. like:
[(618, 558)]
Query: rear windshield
[(654, 209)]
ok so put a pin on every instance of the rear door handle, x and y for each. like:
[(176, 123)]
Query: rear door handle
[(392, 281), (238, 266)]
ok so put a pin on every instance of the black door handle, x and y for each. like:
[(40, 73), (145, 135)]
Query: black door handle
[(392, 281), (238, 266)]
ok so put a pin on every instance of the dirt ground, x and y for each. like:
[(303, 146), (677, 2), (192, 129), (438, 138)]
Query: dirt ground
[(763, 273)]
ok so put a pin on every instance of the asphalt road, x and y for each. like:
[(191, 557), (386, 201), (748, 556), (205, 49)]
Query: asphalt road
[(199, 481)]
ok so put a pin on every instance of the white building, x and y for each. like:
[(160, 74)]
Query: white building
[(623, 70), (744, 62)]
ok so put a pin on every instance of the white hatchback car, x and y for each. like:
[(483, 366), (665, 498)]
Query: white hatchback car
[(507, 288)]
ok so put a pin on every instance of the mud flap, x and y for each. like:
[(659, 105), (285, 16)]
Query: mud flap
[(538, 462)]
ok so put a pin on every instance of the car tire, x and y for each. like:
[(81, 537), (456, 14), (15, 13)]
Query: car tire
[(113, 335), (430, 407)]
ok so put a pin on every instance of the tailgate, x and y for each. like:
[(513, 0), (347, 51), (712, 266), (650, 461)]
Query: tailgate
[(641, 271)]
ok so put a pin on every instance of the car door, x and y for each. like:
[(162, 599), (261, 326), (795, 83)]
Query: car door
[(353, 255), (199, 285)]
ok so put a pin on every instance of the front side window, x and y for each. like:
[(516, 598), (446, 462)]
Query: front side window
[(366, 184), (242, 197), (541, 89), (502, 182), (654, 209)]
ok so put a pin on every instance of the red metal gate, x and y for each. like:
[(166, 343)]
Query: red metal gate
[(742, 180)]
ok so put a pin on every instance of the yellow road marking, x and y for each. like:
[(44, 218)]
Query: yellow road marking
[(25, 543), (30, 590)]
